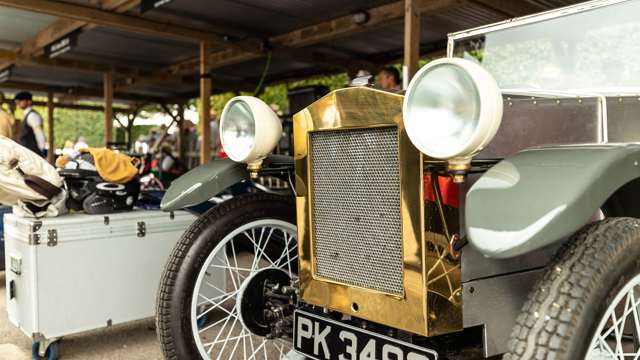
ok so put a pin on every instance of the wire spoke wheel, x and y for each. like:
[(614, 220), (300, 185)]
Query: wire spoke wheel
[(217, 326), (617, 333)]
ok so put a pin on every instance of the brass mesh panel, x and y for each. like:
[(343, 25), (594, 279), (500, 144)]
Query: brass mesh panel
[(356, 207)]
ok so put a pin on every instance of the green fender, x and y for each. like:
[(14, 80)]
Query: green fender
[(542, 195), (202, 183)]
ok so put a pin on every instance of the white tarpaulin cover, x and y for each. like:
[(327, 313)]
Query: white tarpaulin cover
[(13, 190)]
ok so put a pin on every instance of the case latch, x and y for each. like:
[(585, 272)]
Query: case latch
[(15, 264), (34, 237), (52, 237), (142, 229)]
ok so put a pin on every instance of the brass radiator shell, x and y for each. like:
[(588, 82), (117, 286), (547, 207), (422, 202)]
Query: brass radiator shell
[(430, 301)]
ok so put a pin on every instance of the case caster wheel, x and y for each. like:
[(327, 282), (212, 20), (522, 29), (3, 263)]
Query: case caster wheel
[(50, 354)]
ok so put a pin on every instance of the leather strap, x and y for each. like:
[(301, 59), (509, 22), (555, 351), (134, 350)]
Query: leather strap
[(36, 183)]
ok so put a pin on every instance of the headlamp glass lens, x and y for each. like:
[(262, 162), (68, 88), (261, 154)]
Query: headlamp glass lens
[(238, 130), (444, 109)]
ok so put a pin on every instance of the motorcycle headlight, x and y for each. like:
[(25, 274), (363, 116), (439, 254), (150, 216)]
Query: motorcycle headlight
[(452, 109), (249, 129)]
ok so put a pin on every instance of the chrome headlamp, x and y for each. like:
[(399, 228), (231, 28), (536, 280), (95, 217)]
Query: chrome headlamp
[(249, 130), (452, 110)]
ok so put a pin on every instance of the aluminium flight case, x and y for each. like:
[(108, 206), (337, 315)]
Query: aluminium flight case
[(3, 210), (80, 272)]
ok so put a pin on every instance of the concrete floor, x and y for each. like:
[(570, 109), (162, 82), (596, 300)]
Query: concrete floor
[(133, 341)]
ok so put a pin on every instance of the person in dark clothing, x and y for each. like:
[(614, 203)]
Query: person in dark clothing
[(31, 134), (389, 79)]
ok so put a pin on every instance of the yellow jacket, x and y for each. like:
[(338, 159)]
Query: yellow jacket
[(114, 167), (7, 124)]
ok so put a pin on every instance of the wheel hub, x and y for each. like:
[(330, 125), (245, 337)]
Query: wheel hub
[(266, 302)]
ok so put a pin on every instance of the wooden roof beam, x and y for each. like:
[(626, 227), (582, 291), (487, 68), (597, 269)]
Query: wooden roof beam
[(86, 92), (127, 22), (84, 66), (347, 26), (64, 27), (131, 75), (127, 77), (64, 105), (134, 23), (219, 82), (324, 32)]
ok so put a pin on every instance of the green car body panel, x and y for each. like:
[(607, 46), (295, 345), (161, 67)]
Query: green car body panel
[(542, 195), (202, 183)]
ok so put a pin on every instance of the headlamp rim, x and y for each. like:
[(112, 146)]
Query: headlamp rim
[(489, 115), (266, 123), (224, 118)]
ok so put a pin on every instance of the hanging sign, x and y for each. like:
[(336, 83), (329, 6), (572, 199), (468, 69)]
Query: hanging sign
[(146, 5), (61, 46), (5, 74)]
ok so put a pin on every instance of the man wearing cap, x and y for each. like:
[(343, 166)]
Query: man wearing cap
[(31, 134)]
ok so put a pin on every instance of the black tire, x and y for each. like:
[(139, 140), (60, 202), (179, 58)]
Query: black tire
[(173, 318), (564, 310)]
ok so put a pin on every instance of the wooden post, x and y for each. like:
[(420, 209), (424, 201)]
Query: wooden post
[(129, 129), (51, 154), (205, 106), (108, 107), (411, 41)]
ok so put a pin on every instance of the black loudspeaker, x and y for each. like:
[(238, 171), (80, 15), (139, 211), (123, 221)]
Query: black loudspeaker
[(300, 98)]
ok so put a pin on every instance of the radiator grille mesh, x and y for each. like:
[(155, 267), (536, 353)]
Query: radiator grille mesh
[(356, 207)]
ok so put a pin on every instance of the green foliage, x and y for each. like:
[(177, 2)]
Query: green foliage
[(71, 124), (136, 132), (276, 95), (140, 130)]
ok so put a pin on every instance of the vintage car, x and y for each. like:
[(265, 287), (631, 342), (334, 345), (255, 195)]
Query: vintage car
[(489, 211)]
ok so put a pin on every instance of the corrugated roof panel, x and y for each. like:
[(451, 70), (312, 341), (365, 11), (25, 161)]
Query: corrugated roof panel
[(133, 49), (256, 18), (385, 38), (160, 90), (255, 68), (264, 17), (17, 26), (55, 76), (466, 17)]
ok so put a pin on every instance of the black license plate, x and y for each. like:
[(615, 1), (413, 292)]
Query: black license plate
[(321, 338)]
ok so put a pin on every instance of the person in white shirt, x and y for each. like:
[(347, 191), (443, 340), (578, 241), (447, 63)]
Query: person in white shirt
[(31, 134), (81, 144)]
